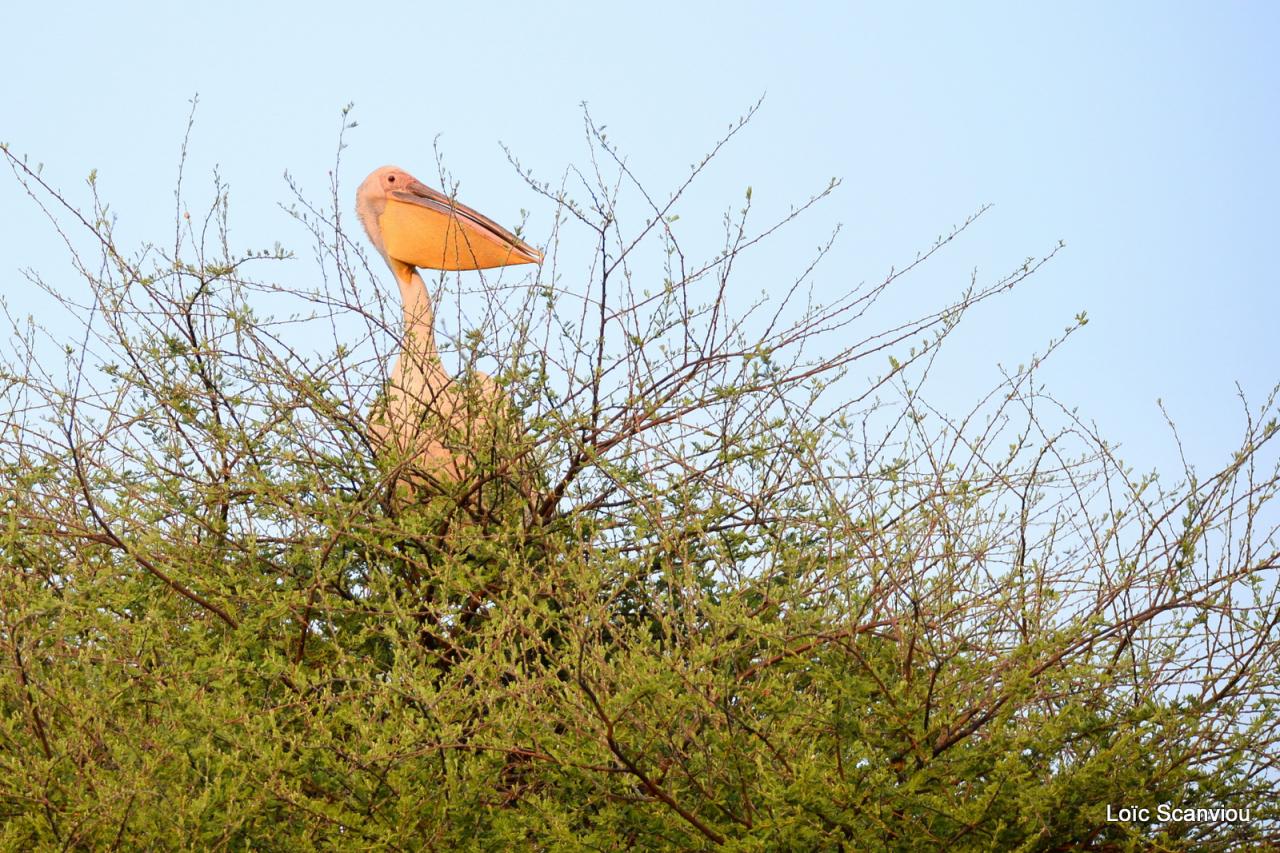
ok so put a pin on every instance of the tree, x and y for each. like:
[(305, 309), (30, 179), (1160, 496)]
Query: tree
[(733, 610)]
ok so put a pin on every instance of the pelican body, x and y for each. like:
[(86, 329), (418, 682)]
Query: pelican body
[(427, 419)]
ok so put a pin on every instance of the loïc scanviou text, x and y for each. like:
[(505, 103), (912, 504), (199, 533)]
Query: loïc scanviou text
[(1166, 812)]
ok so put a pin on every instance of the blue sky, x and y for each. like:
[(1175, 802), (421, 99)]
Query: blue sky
[(1142, 134)]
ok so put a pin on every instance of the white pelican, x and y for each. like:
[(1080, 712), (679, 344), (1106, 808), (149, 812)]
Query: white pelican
[(426, 417)]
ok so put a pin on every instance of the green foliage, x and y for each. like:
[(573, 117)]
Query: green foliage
[(716, 614)]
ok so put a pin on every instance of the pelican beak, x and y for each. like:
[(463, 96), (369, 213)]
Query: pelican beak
[(425, 228)]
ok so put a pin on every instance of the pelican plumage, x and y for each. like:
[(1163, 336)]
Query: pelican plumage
[(427, 418)]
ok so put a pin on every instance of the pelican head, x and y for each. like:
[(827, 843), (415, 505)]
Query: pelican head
[(410, 223)]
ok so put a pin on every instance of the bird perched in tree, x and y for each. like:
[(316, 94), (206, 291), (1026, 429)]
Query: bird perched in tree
[(432, 423)]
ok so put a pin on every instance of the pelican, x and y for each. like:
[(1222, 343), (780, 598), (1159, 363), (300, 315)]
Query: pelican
[(427, 418)]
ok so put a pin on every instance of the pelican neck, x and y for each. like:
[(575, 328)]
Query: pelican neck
[(419, 314)]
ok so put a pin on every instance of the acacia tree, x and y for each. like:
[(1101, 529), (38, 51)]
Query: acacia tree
[(736, 606)]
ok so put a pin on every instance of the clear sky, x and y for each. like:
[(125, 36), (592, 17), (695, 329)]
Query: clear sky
[(1145, 135)]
